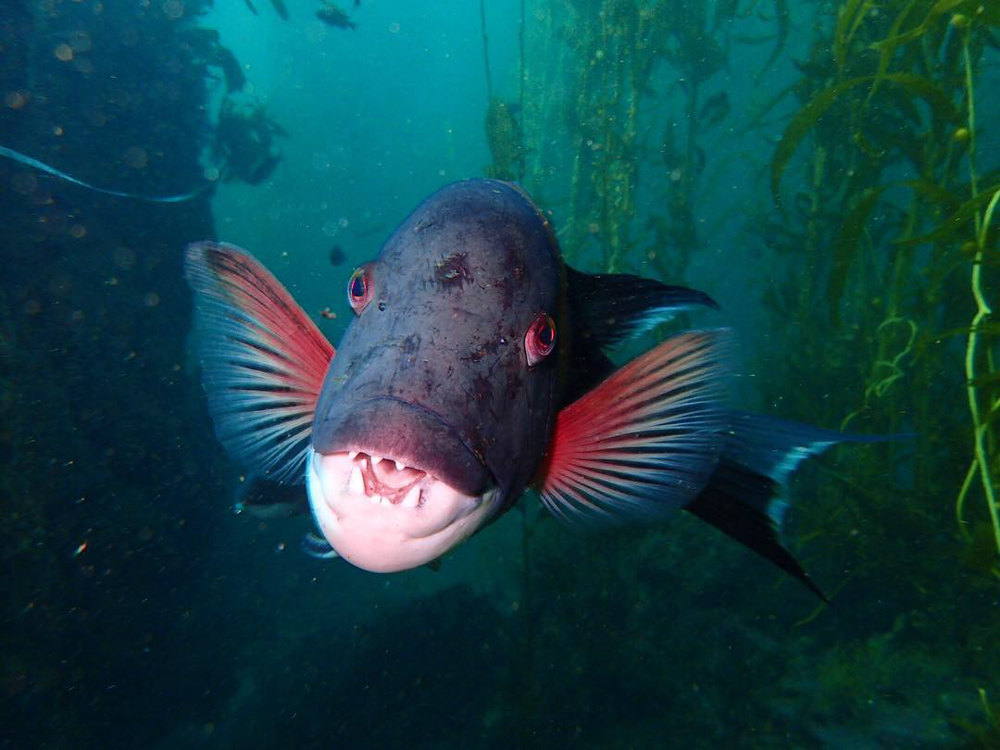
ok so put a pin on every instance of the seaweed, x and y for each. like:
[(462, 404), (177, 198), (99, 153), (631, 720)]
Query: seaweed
[(900, 112)]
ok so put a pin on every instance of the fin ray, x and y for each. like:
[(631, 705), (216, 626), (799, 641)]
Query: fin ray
[(644, 440), (617, 307), (743, 497), (263, 359)]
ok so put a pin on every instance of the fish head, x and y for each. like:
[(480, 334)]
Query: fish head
[(439, 405)]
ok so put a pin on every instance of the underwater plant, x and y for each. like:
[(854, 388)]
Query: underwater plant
[(894, 189), (244, 142)]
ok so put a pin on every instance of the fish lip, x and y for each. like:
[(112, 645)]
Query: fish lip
[(444, 453), (389, 538)]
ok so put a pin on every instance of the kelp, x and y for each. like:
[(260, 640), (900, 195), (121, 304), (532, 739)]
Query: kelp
[(959, 224), (615, 50), (806, 119), (849, 18), (846, 243), (783, 21), (893, 136)]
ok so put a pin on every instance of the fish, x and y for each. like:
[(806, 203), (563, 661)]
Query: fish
[(714, 110), (478, 366), (337, 255), (334, 16), (265, 500), (280, 8)]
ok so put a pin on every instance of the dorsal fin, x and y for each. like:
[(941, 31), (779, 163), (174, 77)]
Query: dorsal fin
[(614, 307), (263, 359)]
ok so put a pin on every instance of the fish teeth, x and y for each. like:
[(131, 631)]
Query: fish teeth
[(356, 485), (374, 499), (400, 466), (376, 460), (412, 497), (351, 455)]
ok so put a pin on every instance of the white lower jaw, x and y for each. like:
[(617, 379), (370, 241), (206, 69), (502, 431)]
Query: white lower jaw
[(383, 537)]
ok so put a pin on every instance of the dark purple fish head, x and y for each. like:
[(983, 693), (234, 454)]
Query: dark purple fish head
[(439, 405)]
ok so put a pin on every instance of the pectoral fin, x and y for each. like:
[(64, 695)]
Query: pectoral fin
[(263, 359), (645, 440)]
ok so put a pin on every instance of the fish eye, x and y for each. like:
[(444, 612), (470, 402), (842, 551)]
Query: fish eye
[(540, 339), (359, 288)]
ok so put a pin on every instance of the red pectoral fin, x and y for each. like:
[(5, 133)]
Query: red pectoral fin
[(263, 359), (644, 441)]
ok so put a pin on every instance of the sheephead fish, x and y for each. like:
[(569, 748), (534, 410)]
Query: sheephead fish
[(477, 367)]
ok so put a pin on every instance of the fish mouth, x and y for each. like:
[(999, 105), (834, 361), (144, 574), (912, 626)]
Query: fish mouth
[(384, 516)]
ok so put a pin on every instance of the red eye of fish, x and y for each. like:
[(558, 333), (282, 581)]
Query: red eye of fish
[(540, 339), (359, 289)]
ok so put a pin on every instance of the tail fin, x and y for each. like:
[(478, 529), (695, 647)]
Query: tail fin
[(742, 496)]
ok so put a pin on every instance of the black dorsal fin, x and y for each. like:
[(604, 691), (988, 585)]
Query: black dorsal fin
[(614, 307)]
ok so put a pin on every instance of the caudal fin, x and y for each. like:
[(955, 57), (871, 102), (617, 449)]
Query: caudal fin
[(743, 496)]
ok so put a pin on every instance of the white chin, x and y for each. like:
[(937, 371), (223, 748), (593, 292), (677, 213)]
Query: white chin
[(375, 534)]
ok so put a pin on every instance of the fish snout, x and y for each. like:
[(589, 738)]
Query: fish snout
[(409, 433)]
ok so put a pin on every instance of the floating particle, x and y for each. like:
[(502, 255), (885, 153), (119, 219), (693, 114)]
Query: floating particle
[(24, 183), (124, 257), (80, 41), (14, 99), (60, 286), (63, 52), (80, 550), (136, 157), (173, 9), (96, 117), (130, 37)]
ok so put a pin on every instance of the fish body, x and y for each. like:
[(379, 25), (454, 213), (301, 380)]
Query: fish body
[(715, 110), (337, 255), (476, 367), (280, 8), (266, 500), (334, 16)]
